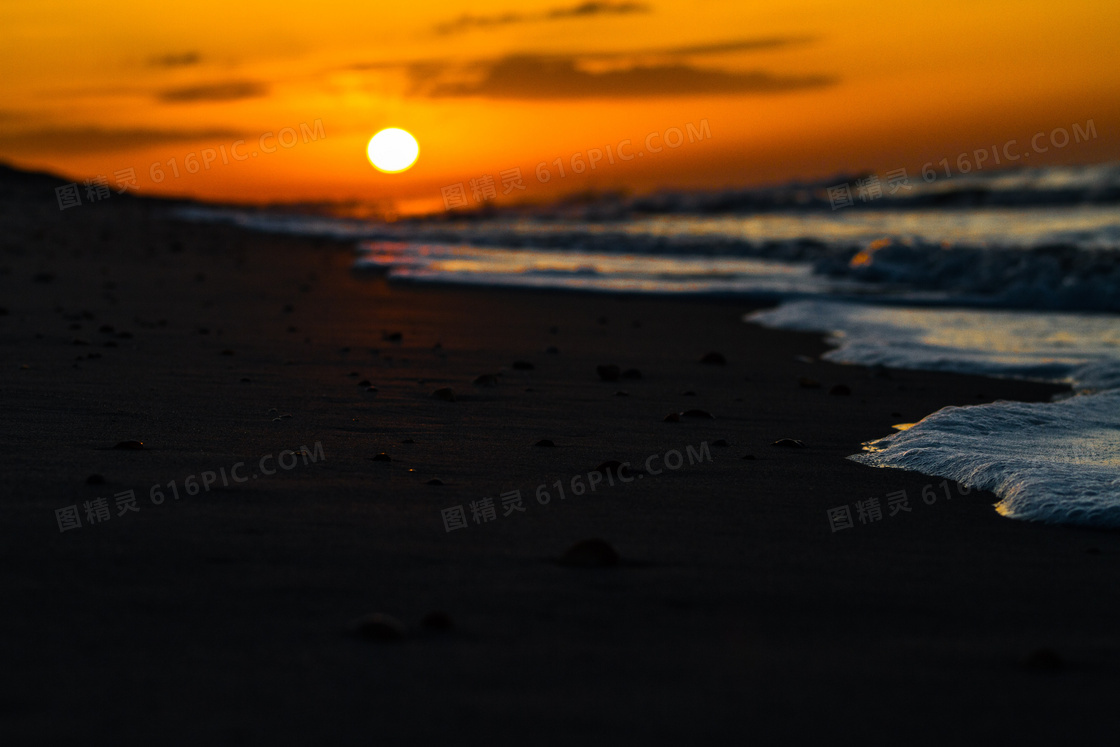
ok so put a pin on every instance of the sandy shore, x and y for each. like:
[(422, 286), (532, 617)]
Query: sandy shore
[(736, 612)]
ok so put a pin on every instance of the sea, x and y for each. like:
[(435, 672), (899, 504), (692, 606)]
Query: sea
[(1011, 273)]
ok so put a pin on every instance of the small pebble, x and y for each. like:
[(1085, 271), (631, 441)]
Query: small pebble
[(246, 380), (446, 394), (608, 372), (631, 373), (522, 366), (806, 383), (371, 389), (622, 393), (392, 336), (699, 414), (486, 380), (95, 480), (545, 442), (552, 350), (590, 553), (380, 627), (714, 359), (688, 393), (722, 442), (227, 351), (673, 417), (789, 443), (382, 457), (408, 441), (840, 390), (130, 446), (273, 411), (365, 382), (435, 481), (746, 456)]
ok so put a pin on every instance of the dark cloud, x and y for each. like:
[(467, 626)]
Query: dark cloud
[(583, 10), (98, 139), (182, 59), (539, 77), (227, 91)]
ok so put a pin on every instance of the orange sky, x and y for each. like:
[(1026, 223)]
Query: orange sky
[(788, 90)]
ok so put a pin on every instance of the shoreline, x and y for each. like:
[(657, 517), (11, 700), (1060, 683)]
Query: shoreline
[(734, 610)]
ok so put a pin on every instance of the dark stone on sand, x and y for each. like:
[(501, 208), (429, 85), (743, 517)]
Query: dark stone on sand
[(746, 456), (688, 393), (698, 414), (789, 443), (486, 380), (1044, 660), (522, 366), (446, 394), (109, 344), (288, 308), (365, 382), (227, 351), (380, 627), (1093, 551), (631, 373), (806, 383), (554, 330), (78, 341), (438, 621), (722, 442), (840, 390), (622, 393), (608, 372), (246, 380), (3, 311), (435, 481), (106, 329), (382, 457), (602, 320), (408, 441), (673, 417), (95, 480), (43, 277), (545, 442), (590, 553), (714, 359), (552, 350), (392, 336), (371, 389), (130, 446), (344, 351)]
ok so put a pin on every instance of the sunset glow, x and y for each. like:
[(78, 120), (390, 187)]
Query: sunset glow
[(802, 90)]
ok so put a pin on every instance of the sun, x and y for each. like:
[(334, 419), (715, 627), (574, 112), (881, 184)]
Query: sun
[(392, 150)]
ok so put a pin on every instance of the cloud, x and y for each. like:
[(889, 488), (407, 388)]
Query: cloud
[(98, 139), (227, 91), (182, 59), (583, 10), (558, 77)]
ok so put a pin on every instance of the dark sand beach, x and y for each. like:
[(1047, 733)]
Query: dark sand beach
[(735, 613)]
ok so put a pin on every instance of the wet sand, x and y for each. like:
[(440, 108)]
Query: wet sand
[(735, 612)]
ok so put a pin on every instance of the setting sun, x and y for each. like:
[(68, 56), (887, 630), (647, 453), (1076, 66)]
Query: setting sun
[(392, 150)]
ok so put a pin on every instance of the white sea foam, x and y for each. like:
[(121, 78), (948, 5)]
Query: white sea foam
[(1056, 462)]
